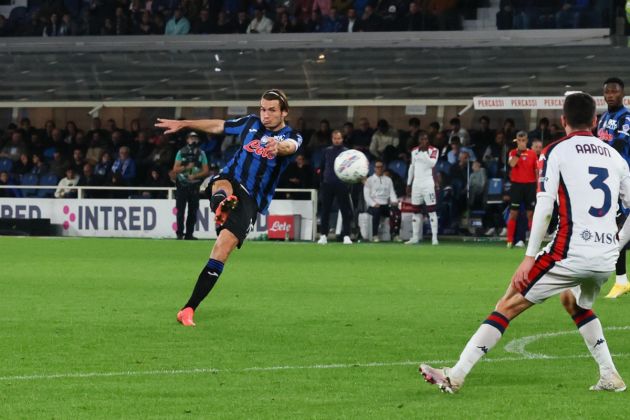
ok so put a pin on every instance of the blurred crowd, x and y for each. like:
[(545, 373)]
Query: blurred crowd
[(180, 17), (107, 155)]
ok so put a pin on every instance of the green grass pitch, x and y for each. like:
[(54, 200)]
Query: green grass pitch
[(88, 330)]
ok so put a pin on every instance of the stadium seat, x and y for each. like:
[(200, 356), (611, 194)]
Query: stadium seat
[(6, 165), (47, 180), (29, 179), (495, 191), (399, 167)]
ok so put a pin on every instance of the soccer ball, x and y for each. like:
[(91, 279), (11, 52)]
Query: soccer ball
[(351, 166)]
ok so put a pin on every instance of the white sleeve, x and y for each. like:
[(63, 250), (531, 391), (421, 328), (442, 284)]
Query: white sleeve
[(429, 157), (540, 223), (411, 170), (549, 177), (367, 193)]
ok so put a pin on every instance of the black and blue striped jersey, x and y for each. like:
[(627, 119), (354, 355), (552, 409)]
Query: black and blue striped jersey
[(614, 129), (251, 166)]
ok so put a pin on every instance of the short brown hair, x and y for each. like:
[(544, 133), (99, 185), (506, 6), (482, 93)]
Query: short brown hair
[(277, 95)]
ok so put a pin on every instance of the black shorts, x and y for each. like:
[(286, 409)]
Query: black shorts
[(242, 219), (521, 193)]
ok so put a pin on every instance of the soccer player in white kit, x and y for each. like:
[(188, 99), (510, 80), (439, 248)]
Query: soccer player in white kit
[(584, 176), (420, 184)]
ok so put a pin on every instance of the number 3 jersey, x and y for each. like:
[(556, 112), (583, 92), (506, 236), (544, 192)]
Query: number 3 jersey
[(586, 177)]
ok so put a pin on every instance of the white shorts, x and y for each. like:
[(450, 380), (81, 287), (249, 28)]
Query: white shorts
[(424, 196), (549, 278)]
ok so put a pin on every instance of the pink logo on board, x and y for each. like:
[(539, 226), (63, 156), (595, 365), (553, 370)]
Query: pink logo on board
[(71, 217)]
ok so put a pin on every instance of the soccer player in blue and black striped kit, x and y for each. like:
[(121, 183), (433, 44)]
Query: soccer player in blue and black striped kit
[(614, 129), (245, 185)]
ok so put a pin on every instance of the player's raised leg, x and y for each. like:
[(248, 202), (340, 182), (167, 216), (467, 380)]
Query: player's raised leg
[(210, 273)]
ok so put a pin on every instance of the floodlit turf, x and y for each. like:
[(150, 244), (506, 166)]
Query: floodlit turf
[(291, 331)]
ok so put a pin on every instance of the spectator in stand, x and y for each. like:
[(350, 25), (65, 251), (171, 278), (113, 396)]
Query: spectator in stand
[(369, 22), (96, 128), (432, 132), (202, 24), (477, 187), (482, 137), (351, 21), (323, 6), (508, 131), (495, 156), (39, 166), (90, 179), (141, 151), (27, 129), (67, 27), (124, 167), (537, 146), (571, 13), (64, 189), (162, 155), (379, 195), (14, 148), (23, 165), (5, 30), (261, 24), (320, 139), (446, 14), (414, 19), (283, 24), (224, 25), (118, 140), (103, 168), (159, 27), (347, 131), (332, 188), (542, 131), (555, 133), (299, 174), (459, 131), (70, 134), (52, 27), (178, 24), (78, 160), (5, 179), (362, 137), (524, 175), (108, 27), (59, 164), (333, 22), (392, 19), (409, 139), (241, 23), (457, 149), (145, 25), (156, 180), (384, 141), (121, 22), (505, 17)]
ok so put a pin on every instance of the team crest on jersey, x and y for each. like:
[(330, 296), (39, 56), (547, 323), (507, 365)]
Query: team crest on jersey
[(611, 125), (586, 235), (625, 128)]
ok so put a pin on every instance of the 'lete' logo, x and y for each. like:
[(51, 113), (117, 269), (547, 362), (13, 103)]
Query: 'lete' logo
[(280, 227)]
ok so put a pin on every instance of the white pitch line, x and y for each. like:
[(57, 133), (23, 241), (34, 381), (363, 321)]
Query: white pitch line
[(167, 372), (518, 345)]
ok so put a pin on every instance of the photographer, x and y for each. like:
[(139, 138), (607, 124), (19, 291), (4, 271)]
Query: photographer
[(190, 168)]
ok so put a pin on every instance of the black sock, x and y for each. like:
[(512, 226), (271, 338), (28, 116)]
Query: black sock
[(620, 267), (205, 282)]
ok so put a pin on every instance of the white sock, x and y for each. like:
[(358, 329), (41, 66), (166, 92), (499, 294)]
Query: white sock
[(486, 337), (621, 279), (594, 338), (416, 226), (434, 224)]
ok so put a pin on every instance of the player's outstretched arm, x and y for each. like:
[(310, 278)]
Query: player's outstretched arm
[(208, 126), (281, 148)]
